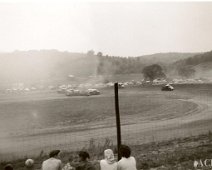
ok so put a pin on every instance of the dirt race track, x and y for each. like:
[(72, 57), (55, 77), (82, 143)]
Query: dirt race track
[(41, 121)]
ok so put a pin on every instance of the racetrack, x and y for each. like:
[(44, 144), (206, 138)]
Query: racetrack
[(42, 121)]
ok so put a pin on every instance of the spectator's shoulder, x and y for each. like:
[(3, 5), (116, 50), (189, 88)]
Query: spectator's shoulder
[(133, 158), (45, 161), (102, 161), (119, 163), (58, 161), (121, 160)]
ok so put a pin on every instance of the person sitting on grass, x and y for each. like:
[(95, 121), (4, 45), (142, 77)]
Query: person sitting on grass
[(109, 162), (8, 167), (53, 163), (127, 161), (83, 162)]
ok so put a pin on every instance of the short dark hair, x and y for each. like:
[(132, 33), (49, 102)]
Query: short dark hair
[(54, 153), (8, 167), (84, 155), (125, 151)]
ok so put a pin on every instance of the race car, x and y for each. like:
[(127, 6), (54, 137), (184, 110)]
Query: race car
[(167, 87)]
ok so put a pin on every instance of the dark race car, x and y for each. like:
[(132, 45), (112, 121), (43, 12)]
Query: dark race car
[(167, 87)]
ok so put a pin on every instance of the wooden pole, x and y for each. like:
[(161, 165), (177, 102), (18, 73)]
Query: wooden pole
[(118, 125)]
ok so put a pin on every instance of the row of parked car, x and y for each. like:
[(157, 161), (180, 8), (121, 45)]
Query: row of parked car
[(76, 92)]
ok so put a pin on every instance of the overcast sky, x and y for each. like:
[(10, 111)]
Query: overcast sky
[(115, 28)]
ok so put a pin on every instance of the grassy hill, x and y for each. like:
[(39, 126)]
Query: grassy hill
[(201, 65), (196, 59), (165, 58), (36, 66)]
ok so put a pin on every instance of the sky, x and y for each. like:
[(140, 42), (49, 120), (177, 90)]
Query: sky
[(112, 27)]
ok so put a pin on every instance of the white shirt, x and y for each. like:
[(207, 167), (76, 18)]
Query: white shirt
[(104, 165), (127, 163), (52, 164)]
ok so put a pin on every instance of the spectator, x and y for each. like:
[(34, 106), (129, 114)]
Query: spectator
[(8, 167), (127, 161), (83, 162), (109, 162), (53, 163), (29, 164)]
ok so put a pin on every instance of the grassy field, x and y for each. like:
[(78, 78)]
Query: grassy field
[(42, 121), (175, 154)]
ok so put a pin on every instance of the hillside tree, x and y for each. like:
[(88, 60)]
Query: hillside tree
[(99, 54), (153, 72), (90, 53)]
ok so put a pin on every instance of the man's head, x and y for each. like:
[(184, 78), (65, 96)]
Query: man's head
[(83, 156), (29, 163), (54, 153), (8, 167), (125, 151)]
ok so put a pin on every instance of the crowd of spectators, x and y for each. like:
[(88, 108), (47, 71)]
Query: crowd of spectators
[(82, 161)]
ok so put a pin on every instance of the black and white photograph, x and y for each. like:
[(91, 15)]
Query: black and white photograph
[(105, 85)]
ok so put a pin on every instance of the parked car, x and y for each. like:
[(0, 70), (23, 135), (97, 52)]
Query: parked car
[(61, 90), (121, 85), (93, 92), (73, 92), (69, 92)]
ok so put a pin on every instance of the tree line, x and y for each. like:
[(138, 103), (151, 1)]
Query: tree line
[(127, 65)]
